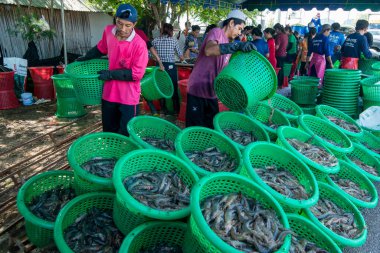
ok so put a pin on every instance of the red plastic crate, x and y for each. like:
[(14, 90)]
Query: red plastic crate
[(184, 72), (8, 100), (44, 90), (7, 81), (41, 74)]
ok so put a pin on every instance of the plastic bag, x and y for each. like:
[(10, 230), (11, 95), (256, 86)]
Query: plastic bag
[(370, 118)]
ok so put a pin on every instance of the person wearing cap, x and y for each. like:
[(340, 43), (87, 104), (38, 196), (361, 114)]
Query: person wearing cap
[(214, 54), (319, 54), (281, 41), (128, 57), (317, 22), (336, 40), (355, 44)]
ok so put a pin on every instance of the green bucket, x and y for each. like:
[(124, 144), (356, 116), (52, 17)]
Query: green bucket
[(290, 109), (309, 109), (246, 80), (365, 65), (304, 92), (371, 88), (63, 86), (69, 108), (156, 84)]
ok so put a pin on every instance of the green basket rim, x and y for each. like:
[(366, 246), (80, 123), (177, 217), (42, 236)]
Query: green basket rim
[(319, 113), (128, 240), (294, 203), (136, 205), (137, 139), (60, 77), (372, 137), (368, 81), (152, 71), (200, 171), (357, 242), (82, 172), (303, 83), (21, 205), (358, 202), (343, 72), (210, 235), (290, 102), (301, 219), (236, 115), (58, 232), (306, 128), (375, 66), (79, 76), (324, 169)]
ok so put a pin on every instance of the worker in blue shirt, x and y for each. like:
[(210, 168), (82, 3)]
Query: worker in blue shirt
[(261, 45), (336, 40), (354, 45), (319, 54), (317, 22)]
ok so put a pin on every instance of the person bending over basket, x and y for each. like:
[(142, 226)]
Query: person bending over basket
[(128, 56), (215, 52)]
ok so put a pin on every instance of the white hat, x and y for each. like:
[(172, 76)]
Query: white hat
[(237, 14)]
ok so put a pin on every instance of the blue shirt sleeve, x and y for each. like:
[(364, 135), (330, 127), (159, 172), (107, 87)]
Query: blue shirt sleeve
[(364, 47), (341, 39)]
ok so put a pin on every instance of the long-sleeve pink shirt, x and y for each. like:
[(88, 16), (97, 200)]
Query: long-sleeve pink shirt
[(131, 53)]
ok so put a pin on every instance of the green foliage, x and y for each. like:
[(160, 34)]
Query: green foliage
[(31, 27), (209, 16)]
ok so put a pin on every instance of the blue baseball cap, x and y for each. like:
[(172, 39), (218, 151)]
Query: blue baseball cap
[(127, 12)]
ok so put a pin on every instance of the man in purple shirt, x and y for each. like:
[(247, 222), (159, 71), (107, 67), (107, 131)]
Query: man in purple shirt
[(202, 104)]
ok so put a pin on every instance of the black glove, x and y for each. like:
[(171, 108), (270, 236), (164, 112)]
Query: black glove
[(117, 74), (93, 53), (230, 48)]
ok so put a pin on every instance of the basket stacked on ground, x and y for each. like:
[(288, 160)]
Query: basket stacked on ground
[(328, 192), (350, 172), (370, 142), (201, 138), (43, 84), (238, 121), (149, 126), (104, 145), (266, 115), (371, 91), (261, 154), (341, 90), (149, 234), (128, 212), (76, 208), (306, 229), (8, 99), (365, 65), (246, 80), (290, 109), (319, 171), (39, 231), (87, 86), (156, 84), (67, 103), (304, 92), (200, 237)]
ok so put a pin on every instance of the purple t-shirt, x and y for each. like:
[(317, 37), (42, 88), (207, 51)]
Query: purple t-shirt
[(206, 68)]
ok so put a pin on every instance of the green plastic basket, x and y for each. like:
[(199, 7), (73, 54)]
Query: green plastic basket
[(287, 68), (69, 108), (365, 65), (327, 191), (306, 229), (238, 121), (87, 86), (246, 80), (76, 208), (323, 111), (63, 86), (307, 78), (128, 212), (149, 234), (373, 131), (368, 103), (201, 138), (322, 131), (343, 73), (350, 172), (39, 231), (262, 154), (319, 171), (105, 145), (370, 140), (376, 66), (284, 104), (156, 84), (149, 126), (309, 109), (304, 91), (200, 237), (261, 113), (365, 156)]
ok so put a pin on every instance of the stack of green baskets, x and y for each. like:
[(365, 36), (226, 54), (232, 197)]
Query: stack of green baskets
[(369, 66), (39, 231), (371, 91), (200, 237), (341, 90), (246, 80), (156, 84), (290, 109), (304, 92), (128, 212), (239, 121), (87, 86), (67, 104), (261, 154), (104, 145)]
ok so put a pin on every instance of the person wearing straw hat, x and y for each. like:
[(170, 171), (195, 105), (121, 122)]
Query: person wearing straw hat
[(128, 56), (215, 52)]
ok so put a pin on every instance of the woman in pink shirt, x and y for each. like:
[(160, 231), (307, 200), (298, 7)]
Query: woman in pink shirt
[(128, 56)]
